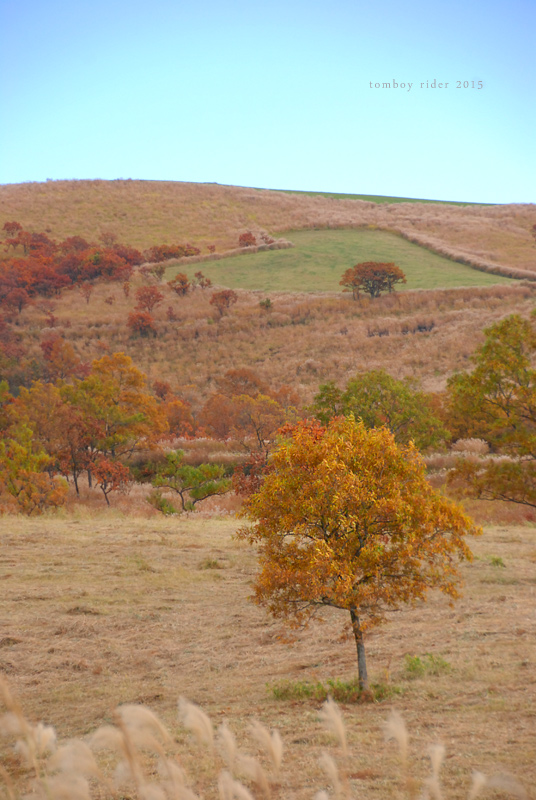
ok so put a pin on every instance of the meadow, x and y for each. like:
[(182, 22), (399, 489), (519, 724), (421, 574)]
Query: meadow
[(376, 198), (319, 258), (104, 609)]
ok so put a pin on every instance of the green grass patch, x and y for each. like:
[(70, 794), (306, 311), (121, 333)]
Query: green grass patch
[(378, 198), (319, 259), (428, 664), (340, 691)]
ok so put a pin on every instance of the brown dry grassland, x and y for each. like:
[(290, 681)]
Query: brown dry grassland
[(99, 609), (144, 213), (306, 340)]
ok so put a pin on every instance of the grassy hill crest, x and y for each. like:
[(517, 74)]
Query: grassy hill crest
[(143, 213)]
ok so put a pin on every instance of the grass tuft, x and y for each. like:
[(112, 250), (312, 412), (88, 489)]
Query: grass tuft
[(339, 690), (428, 664)]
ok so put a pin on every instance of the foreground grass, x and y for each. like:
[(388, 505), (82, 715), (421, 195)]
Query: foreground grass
[(109, 609), (319, 258)]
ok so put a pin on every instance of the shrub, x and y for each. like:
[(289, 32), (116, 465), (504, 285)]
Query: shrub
[(223, 300), (142, 323), (147, 297), (180, 284), (372, 277), (247, 239), (429, 664)]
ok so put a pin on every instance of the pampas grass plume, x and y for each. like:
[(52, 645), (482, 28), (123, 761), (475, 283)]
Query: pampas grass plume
[(193, 718), (142, 718), (76, 757), (229, 789), (107, 737), (329, 766), (271, 742), (227, 744), (479, 783), (68, 787), (254, 771), (150, 791), (507, 783), (395, 728), (332, 717)]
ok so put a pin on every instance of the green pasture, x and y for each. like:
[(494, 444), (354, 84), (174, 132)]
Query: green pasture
[(378, 198), (320, 257)]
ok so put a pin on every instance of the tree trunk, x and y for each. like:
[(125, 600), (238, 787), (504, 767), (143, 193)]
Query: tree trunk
[(361, 657)]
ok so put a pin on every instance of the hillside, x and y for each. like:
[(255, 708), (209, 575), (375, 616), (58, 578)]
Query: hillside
[(143, 213), (318, 259)]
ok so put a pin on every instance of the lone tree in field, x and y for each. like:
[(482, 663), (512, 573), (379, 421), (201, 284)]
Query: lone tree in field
[(371, 277), (346, 518)]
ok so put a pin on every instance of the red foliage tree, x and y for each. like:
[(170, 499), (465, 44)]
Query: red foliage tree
[(247, 239), (12, 228), (16, 299), (180, 284), (371, 277), (74, 244), (241, 381), (128, 254), (86, 290), (141, 322), (61, 359), (201, 281), (148, 297), (223, 300), (164, 252), (110, 476)]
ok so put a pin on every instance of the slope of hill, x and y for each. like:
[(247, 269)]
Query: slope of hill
[(143, 213), (319, 258)]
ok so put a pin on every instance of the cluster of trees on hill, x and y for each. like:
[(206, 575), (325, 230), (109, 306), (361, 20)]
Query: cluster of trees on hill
[(38, 265), (91, 419), (81, 418)]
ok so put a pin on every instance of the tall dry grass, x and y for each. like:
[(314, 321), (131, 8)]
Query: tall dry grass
[(147, 212), (137, 757), (302, 341)]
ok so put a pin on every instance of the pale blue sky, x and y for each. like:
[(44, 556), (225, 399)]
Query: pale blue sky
[(274, 95)]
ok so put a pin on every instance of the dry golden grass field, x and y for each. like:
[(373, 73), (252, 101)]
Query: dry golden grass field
[(303, 341), (144, 213), (103, 609)]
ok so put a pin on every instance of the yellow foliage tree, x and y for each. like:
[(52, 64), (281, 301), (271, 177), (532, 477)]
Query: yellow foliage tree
[(25, 486), (346, 518)]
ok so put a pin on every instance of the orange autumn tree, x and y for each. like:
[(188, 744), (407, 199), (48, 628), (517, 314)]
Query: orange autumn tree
[(346, 518), (372, 277)]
